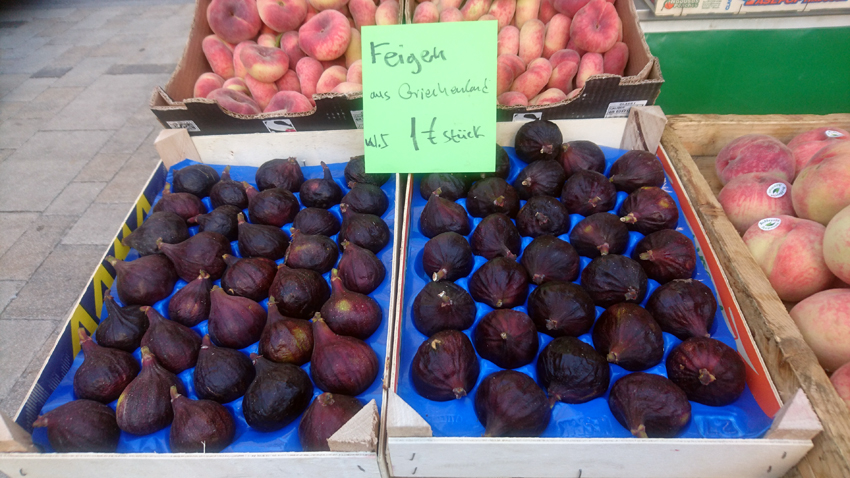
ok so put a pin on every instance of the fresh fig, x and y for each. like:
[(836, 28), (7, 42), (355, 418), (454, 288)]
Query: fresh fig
[(612, 279), (636, 169), (709, 371), (221, 374), (249, 277), (201, 252), (561, 308), (199, 426), (576, 156), (350, 313), (314, 220), (145, 280), (257, 240), (228, 191), (447, 256), (190, 305), (195, 179), (272, 207), (588, 192), (442, 305), (451, 186), (571, 371), (299, 293), (445, 366), (540, 178), (355, 172), (222, 220), (279, 173), (666, 255), (365, 230), (649, 209), (123, 327), (600, 234), (278, 395), (175, 345), (341, 364), (235, 322), (321, 192), (496, 235), (315, 252), (442, 215), (327, 414), (166, 226), (684, 308), (284, 339), (366, 199), (145, 405), (491, 196), (538, 140), (627, 335), (510, 404), (360, 269), (503, 168), (649, 405), (81, 426), (548, 258), (104, 373), (500, 283), (507, 338), (543, 215)]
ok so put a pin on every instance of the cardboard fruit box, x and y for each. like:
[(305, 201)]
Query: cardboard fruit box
[(697, 7)]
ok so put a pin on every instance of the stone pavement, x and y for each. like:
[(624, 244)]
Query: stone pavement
[(76, 147)]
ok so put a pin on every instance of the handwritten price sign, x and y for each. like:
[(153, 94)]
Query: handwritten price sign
[(429, 97)]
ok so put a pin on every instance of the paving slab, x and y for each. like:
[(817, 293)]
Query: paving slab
[(27, 254), (103, 167), (14, 132), (9, 82), (29, 90), (31, 59), (128, 139), (75, 199), (9, 110), (85, 71), (14, 225), (8, 291), (5, 153), (99, 224), (47, 104), (20, 342)]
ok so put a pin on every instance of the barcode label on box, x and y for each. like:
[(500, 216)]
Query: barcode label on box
[(188, 125), (621, 109), (358, 118)]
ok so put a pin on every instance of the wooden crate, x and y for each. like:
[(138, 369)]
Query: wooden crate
[(692, 143)]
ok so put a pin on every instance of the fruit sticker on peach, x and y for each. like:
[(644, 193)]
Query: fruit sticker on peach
[(777, 190), (428, 96), (769, 223), (833, 134)]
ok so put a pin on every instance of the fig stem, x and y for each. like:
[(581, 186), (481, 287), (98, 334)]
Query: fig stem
[(604, 248), (612, 357), (629, 219), (646, 256), (446, 300), (639, 432), (435, 343), (459, 392), (705, 377)]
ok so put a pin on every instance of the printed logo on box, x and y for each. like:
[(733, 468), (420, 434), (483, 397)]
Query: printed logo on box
[(357, 116), (769, 223), (621, 109), (524, 117), (187, 125), (777, 190), (279, 126)]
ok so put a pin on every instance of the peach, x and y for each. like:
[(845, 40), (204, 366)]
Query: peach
[(234, 101), (531, 40), (206, 83), (790, 252), (289, 45), (267, 29), (574, 93), (289, 82), (311, 12), (516, 63), (264, 63), (526, 10), (508, 40), (219, 55), (237, 84), (473, 9), (841, 381), (488, 17), (387, 13), (347, 87), (309, 71), (534, 79), (596, 27), (750, 197), (503, 10), (355, 72), (338, 62), (451, 15), (547, 11), (504, 75), (823, 187), (352, 53), (330, 78), (363, 12), (552, 95), (562, 76), (614, 60), (754, 153), (234, 21), (571, 45), (325, 36), (282, 15), (805, 145), (261, 91), (269, 40), (445, 4), (288, 102), (569, 7), (512, 98), (591, 64), (324, 5), (836, 245), (824, 321), (557, 34), (561, 56), (238, 68), (426, 12)]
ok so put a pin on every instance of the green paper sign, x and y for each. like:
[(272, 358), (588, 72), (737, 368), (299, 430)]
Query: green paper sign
[(429, 97)]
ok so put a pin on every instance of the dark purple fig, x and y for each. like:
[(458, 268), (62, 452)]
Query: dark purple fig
[(228, 192), (571, 371), (123, 327), (81, 426), (249, 277), (314, 252), (451, 186), (350, 313), (649, 405), (175, 345), (201, 252), (184, 205), (314, 220), (580, 155), (341, 364), (543, 215), (441, 306), (257, 240), (503, 168), (666, 255), (321, 192), (709, 371), (221, 374), (442, 215), (496, 235), (548, 258), (165, 226), (510, 404), (627, 335), (649, 209), (327, 414), (272, 207), (191, 305), (145, 405), (355, 172), (538, 140), (540, 178), (507, 338), (222, 220), (501, 283), (144, 281), (360, 269), (365, 230), (299, 293), (613, 279), (491, 196), (235, 322), (366, 199), (684, 308), (199, 426), (195, 179), (104, 373), (636, 169), (600, 234), (445, 366), (447, 256), (284, 339), (279, 173), (278, 395), (561, 308), (588, 192)]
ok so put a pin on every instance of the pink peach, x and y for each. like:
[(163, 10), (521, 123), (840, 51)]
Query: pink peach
[(268, 40), (347, 87), (512, 98), (261, 91), (824, 321), (516, 63), (841, 381), (574, 93), (289, 45), (504, 75), (561, 56), (526, 10), (557, 34), (571, 45), (237, 84), (206, 83), (330, 78), (552, 95), (534, 79), (473, 9), (547, 11), (234, 101), (503, 10), (748, 198), (591, 64), (355, 72), (754, 153), (488, 17), (288, 82), (569, 7), (219, 55), (338, 62), (288, 102), (309, 71), (823, 187), (311, 12), (387, 13), (805, 145), (508, 41), (239, 69), (562, 76), (595, 28), (426, 12), (234, 21), (451, 15), (282, 15), (267, 29), (445, 4), (614, 60), (323, 5), (265, 64), (836, 245), (531, 40), (363, 12), (325, 36), (352, 53)]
